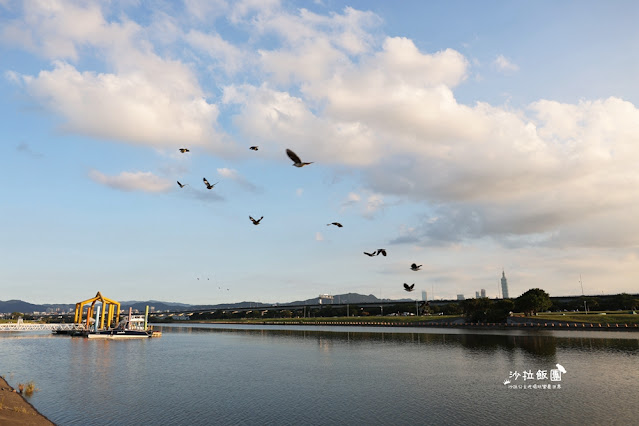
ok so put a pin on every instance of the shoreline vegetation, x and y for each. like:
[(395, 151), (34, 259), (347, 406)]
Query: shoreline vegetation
[(15, 410)]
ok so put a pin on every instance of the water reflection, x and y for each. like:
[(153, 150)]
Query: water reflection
[(213, 374), (541, 345)]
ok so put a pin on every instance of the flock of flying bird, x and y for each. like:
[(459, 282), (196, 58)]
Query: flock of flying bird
[(297, 162)]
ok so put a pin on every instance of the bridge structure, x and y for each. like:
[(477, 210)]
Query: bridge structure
[(29, 326), (307, 307)]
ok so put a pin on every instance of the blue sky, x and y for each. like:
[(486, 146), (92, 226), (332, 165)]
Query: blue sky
[(464, 136)]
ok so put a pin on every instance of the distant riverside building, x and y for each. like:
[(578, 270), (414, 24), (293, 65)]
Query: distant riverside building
[(483, 292), (424, 295), (476, 295), (323, 298), (460, 297), (504, 285)]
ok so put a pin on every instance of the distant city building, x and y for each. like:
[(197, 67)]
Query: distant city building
[(424, 295), (460, 297), (323, 298), (504, 285), (476, 295), (483, 292)]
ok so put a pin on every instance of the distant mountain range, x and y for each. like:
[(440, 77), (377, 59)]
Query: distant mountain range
[(11, 306)]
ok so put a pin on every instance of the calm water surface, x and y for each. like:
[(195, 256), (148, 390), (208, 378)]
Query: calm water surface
[(232, 375)]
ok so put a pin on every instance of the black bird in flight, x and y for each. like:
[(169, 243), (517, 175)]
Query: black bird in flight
[(183, 150), (381, 251), (409, 287), (182, 185), (254, 148), (208, 185), (296, 160), (370, 254), (256, 221), (415, 267), (339, 225)]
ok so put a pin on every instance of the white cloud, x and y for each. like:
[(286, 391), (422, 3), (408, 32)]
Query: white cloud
[(226, 56), (146, 99), (351, 200), (56, 28), (125, 107), (132, 181), (504, 65), (549, 173), (372, 204), (242, 9), (204, 10)]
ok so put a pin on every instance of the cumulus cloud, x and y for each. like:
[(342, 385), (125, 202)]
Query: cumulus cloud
[(132, 181), (146, 99), (225, 55), (343, 95), (127, 107)]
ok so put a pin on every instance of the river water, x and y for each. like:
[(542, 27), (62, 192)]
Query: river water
[(290, 375)]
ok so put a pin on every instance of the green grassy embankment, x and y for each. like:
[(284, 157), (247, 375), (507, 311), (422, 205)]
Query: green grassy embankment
[(581, 317), (591, 317)]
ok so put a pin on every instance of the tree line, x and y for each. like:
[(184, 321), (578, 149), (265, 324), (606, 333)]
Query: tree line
[(474, 310)]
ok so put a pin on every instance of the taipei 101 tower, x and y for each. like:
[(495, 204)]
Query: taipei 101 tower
[(504, 285)]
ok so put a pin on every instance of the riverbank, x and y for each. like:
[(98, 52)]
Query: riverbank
[(451, 322), (17, 411)]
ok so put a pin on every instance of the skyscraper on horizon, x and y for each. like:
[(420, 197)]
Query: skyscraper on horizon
[(504, 285), (424, 295)]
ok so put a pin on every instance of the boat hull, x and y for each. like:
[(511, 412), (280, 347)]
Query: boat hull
[(115, 334)]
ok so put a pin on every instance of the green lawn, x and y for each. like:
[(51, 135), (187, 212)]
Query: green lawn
[(615, 317)]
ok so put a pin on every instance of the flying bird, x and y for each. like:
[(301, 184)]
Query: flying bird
[(296, 160), (381, 251), (182, 185), (409, 287), (339, 225), (371, 254), (415, 267), (256, 222), (254, 148), (208, 185), (183, 150)]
